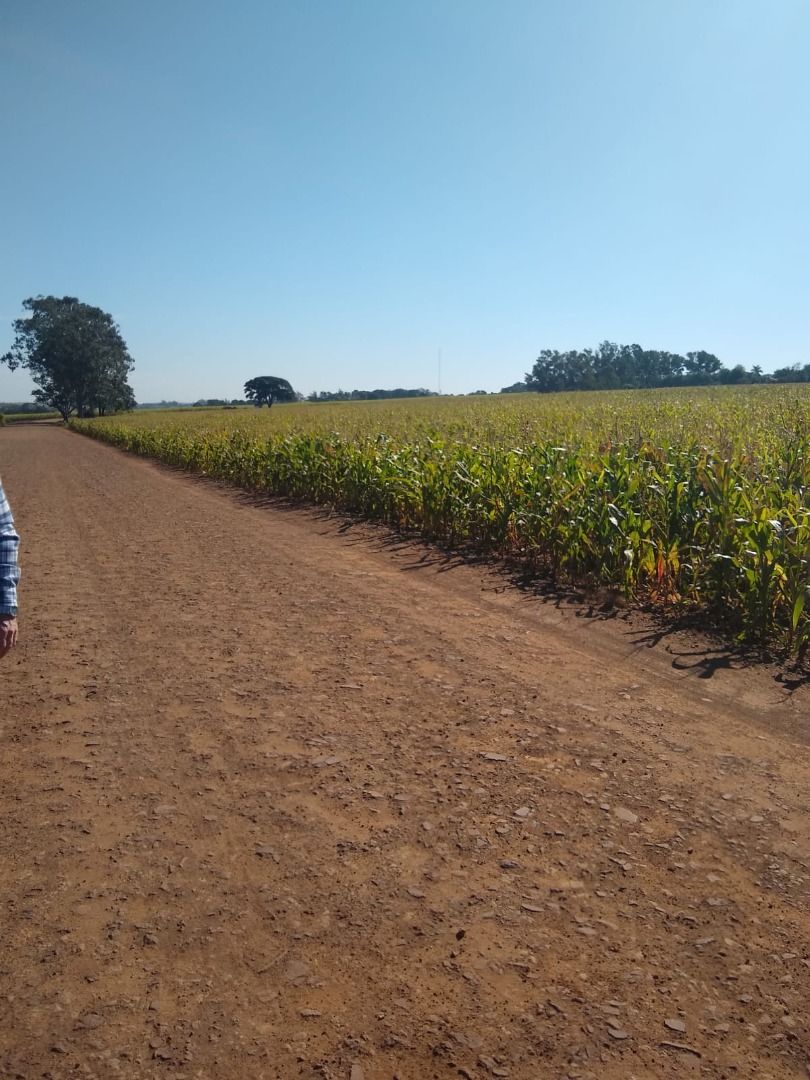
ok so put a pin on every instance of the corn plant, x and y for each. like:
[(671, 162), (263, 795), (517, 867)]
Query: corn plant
[(697, 498)]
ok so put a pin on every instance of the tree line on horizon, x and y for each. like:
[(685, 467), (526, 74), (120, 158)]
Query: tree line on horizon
[(25, 408), (80, 364), (630, 367), (369, 395)]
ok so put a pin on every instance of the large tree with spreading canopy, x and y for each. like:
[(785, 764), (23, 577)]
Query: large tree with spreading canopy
[(75, 354), (265, 389)]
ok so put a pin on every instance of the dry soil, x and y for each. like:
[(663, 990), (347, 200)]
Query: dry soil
[(280, 798)]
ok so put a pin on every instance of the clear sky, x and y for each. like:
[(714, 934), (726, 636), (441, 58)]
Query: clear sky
[(334, 190)]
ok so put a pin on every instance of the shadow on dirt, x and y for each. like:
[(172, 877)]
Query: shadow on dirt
[(691, 640)]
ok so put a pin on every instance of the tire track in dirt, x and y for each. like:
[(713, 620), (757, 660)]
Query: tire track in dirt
[(282, 800)]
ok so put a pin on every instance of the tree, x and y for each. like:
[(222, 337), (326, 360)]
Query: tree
[(75, 355), (731, 376), (611, 366), (703, 366), (369, 395), (792, 374), (265, 389)]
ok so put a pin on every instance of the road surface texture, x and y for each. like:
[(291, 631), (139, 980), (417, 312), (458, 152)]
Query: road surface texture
[(282, 798)]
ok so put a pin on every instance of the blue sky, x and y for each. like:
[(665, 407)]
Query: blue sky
[(334, 190)]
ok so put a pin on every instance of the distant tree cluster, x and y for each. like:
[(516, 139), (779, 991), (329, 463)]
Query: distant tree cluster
[(222, 403), (368, 395), (792, 374), (23, 408), (75, 355), (630, 367)]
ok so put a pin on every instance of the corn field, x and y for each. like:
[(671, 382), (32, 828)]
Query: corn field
[(691, 499)]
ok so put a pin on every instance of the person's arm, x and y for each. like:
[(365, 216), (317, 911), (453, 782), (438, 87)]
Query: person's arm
[(9, 576)]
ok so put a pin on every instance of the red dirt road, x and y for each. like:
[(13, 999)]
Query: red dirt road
[(279, 800)]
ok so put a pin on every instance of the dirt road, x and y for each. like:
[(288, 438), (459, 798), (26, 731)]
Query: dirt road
[(282, 800)]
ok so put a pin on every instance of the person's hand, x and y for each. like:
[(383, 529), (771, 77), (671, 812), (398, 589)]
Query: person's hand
[(8, 634)]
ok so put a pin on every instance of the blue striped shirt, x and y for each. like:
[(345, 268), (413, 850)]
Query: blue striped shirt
[(9, 570)]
